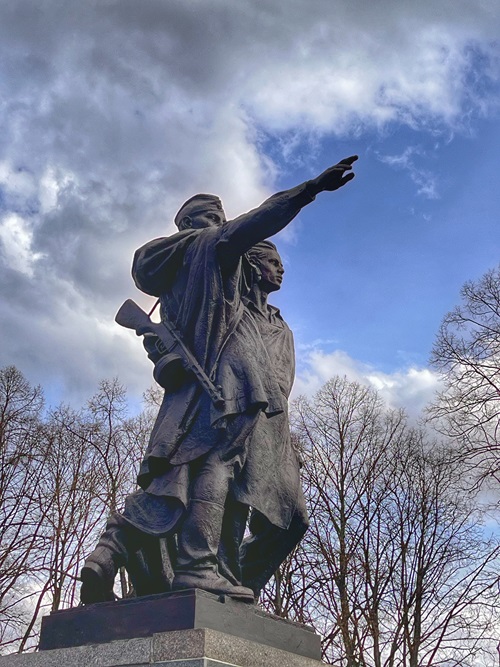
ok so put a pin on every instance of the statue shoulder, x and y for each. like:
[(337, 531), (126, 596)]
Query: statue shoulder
[(156, 262)]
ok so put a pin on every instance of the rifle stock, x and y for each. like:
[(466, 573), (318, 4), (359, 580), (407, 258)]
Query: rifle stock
[(131, 316)]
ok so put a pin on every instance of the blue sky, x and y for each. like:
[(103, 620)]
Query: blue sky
[(113, 113), (375, 268)]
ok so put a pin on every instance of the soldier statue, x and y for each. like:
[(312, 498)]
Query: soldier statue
[(220, 458)]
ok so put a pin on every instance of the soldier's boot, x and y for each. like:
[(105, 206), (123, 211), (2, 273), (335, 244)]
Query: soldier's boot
[(267, 547), (233, 532), (100, 568), (97, 576), (198, 543)]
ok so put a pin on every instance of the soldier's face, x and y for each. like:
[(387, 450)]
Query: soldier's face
[(271, 269), (208, 218)]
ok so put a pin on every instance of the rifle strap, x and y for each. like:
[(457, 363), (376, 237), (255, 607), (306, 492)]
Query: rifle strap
[(154, 308)]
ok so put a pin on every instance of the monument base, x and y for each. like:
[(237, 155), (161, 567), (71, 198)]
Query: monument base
[(182, 629), (179, 648)]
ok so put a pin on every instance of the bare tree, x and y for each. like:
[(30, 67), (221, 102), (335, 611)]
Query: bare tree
[(62, 472), (117, 440), (70, 491), (22, 467), (119, 443), (113, 442), (467, 353), (395, 569)]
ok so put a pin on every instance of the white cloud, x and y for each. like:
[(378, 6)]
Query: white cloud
[(113, 113), (16, 244), (422, 177), (353, 66), (411, 388)]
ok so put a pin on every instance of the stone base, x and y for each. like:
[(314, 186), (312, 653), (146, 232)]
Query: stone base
[(182, 610), (189, 628), (178, 648)]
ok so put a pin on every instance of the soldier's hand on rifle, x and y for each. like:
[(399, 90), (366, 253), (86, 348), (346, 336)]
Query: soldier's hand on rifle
[(333, 177)]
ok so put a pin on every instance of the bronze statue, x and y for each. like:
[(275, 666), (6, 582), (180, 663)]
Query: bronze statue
[(221, 442)]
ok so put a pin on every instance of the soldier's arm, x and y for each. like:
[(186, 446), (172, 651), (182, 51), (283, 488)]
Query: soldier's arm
[(240, 234)]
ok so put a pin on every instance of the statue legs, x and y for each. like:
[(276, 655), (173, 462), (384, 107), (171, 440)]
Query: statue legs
[(146, 559), (198, 544), (233, 532), (100, 568), (199, 538), (262, 553), (158, 564)]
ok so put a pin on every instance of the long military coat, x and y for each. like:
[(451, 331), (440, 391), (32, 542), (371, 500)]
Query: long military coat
[(199, 277)]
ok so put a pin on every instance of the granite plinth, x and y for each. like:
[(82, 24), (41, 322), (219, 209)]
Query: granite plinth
[(182, 610), (178, 648)]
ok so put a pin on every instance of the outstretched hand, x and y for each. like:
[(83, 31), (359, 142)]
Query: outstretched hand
[(335, 177)]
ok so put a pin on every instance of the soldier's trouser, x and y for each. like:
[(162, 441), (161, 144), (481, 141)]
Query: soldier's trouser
[(198, 537), (118, 539), (200, 533), (123, 545), (262, 553)]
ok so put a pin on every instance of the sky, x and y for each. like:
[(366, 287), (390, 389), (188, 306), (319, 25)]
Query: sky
[(115, 112)]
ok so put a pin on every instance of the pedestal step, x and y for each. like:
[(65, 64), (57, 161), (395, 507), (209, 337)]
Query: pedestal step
[(178, 648), (182, 610), (189, 628)]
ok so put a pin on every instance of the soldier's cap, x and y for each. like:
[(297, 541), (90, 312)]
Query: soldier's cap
[(196, 204)]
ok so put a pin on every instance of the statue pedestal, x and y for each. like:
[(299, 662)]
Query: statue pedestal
[(182, 629)]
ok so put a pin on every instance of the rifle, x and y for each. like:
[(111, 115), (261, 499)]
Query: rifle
[(131, 316)]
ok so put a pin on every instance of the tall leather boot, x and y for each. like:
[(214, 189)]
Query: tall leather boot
[(100, 568), (233, 532), (267, 547), (123, 545), (198, 543)]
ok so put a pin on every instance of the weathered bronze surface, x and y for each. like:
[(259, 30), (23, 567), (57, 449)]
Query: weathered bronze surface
[(220, 457)]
